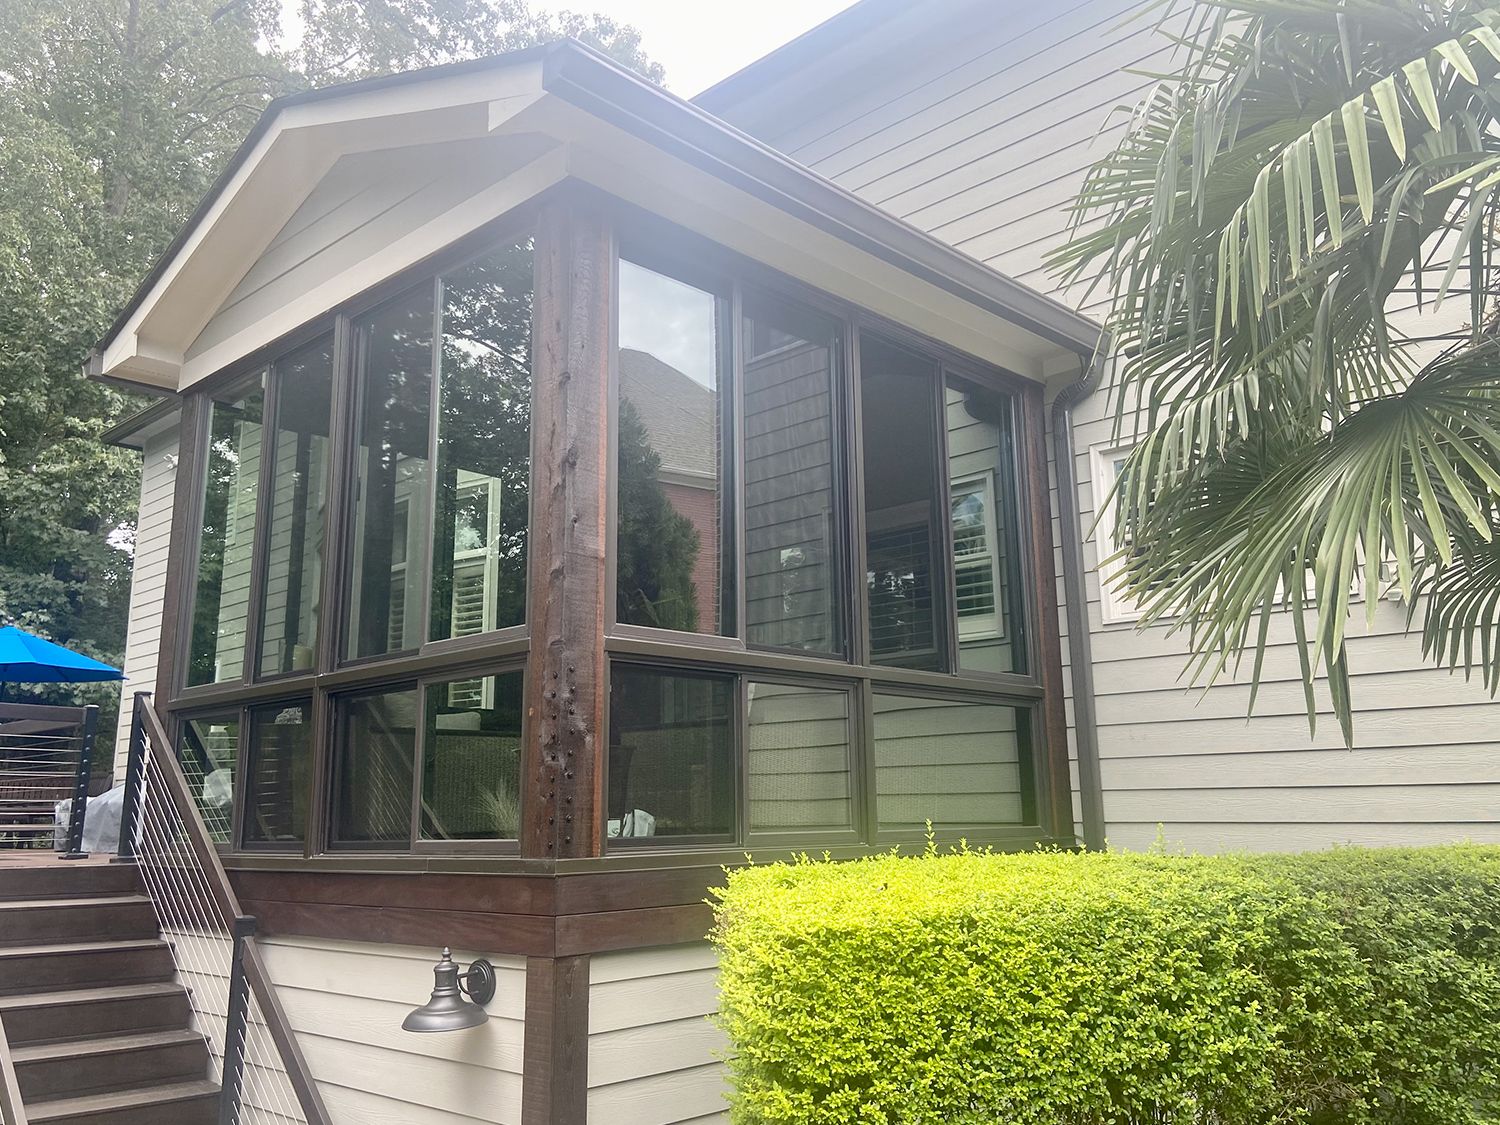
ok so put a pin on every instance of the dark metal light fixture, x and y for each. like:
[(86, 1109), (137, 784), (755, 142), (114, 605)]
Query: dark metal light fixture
[(447, 1010)]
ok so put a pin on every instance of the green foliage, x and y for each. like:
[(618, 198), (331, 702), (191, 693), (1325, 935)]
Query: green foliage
[(657, 544), (1349, 987), (115, 117), (1304, 169)]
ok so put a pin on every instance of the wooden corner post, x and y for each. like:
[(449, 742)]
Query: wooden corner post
[(567, 688)]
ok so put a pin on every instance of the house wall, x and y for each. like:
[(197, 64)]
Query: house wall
[(654, 1056), (148, 580), (982, 137), (346, 1000)]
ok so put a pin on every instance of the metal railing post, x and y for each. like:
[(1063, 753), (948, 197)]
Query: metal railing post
[(236, 1024), (81, 778), (130, 805)]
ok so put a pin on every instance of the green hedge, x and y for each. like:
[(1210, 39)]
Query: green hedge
[(1343, 987)]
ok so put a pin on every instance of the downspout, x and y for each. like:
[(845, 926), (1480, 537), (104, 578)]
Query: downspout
[(1080, 644)]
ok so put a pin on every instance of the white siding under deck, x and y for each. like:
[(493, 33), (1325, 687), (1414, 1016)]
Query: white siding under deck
[(346, 1001), (655, 1056)]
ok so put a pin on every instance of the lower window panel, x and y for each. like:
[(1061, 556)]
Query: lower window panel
[(278, 768), (471, 759), (373, 774), (797, 741), (210, 745), (954, 764), (671, 754)]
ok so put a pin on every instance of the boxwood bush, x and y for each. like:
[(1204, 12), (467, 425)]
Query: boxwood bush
[(1343, 987)]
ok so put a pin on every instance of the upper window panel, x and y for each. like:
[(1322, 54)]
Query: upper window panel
[(221, 599), (903, 507), (791, 521), (986, 546), (484, 446), (393, 356), (673, 526), (299, 507)]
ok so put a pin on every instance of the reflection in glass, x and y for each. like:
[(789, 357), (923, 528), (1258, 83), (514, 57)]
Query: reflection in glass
[(789, 479), (278, 763), (207, 753), (904, 558), (394, 358), (798, 742), (471, 762), (955, 764), (672, 488), (671, 753), (484, 446), (981, 459), (373, 770), (299, 502), (221, 598)]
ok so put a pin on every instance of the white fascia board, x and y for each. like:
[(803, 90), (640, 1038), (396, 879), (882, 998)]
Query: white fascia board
[(501, 197), (273, 179)]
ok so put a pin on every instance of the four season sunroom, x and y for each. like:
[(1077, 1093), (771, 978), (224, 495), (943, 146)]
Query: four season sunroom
[(563, 479)]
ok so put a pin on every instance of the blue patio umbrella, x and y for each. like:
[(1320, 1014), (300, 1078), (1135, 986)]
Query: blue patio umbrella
[(28, 659)]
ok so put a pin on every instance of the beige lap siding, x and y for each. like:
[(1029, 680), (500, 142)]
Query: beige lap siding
[(655, 1057), (346, 1001), (148, 581)]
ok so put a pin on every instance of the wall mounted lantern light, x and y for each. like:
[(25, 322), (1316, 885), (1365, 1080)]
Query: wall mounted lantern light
[(447, 1010)]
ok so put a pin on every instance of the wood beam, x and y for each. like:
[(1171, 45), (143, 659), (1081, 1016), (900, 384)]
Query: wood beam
[(554, 1088), (567, 688)]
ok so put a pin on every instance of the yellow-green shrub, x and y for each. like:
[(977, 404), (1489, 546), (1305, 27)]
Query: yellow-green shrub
[(1352, 986)]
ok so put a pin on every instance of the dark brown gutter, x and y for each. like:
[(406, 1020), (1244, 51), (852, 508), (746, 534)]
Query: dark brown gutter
[(1075, 591)]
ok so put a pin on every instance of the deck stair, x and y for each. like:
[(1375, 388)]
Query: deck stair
[(99, 1029)]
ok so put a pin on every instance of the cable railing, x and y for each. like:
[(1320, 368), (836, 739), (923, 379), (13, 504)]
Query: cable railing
[(46, 758), (262, 1075)]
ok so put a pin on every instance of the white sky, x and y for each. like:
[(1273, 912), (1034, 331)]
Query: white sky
[(697, 41), (702, 41)]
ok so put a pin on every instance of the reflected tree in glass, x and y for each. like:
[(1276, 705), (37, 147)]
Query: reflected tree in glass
[(484, 446)]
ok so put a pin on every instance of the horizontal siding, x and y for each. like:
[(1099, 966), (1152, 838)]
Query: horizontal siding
[(148, 581), (983, 138), (346, 1001), (366, 202), (655, 1054)]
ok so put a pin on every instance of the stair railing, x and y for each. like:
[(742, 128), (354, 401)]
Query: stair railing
[(258, 1064), (12, 1112), (46, 755)]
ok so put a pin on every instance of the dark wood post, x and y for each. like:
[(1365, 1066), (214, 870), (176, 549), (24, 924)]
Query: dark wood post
[(1056, 781), (567, 688), (78, 811)]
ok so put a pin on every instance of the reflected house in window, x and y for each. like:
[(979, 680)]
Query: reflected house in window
[(679, 417), (556, 495)]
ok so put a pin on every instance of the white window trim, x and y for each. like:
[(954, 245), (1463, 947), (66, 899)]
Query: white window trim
[(1114, 607), (989, 627)]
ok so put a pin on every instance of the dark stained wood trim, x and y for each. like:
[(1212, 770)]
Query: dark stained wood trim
[(1056, 804), (554, 1088), (525, 935), (567, 688), (631, 929)]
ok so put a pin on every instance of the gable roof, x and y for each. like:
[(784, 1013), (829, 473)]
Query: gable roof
[(555, 90)]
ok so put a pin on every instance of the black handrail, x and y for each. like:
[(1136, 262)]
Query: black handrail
[(81, 778), (247, 975)]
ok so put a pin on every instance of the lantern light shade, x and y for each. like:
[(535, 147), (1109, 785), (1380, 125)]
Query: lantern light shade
[(447, 1009)]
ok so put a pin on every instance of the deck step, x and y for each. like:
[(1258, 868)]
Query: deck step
[(179, 1103), (76, 918), (37, 878), (115, 1062), (77, 1012), (78, 964)]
